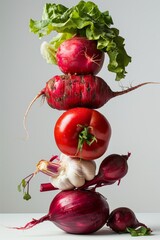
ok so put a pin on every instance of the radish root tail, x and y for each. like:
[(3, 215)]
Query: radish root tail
[(115, 94), (27, 111)]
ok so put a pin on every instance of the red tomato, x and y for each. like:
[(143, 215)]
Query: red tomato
[(83, 133)]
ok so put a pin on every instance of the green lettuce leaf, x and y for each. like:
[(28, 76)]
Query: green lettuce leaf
[(48, 50), (83, 19)]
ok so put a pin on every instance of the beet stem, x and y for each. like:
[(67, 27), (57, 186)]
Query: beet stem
[(53, 158), (44, 187)]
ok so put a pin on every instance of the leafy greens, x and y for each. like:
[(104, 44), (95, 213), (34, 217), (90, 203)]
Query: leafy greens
[(84, 19)]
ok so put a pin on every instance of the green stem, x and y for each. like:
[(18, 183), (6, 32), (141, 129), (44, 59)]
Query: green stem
[(139, 231), (85, 137), (25, 184)]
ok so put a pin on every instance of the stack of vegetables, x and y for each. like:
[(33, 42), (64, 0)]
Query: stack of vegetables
[(82, 133)]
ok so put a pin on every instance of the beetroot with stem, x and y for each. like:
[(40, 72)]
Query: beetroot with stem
[(123, 220), (76, 211), (63, 92), (68, 91)]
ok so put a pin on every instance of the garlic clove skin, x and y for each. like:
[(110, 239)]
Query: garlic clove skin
[(88, 169), (75, 174), (62, 182)]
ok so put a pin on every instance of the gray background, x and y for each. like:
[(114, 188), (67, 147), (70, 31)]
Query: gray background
[(134, 117)]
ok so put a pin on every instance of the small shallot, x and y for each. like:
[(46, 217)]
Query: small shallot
[(123, 220)]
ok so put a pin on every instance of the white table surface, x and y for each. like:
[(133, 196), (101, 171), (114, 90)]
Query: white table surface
[(48, 231)]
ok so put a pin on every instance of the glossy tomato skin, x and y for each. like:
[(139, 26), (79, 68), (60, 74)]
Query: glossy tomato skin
[(69, 125)]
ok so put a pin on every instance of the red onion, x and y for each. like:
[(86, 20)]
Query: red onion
[(76, 211)]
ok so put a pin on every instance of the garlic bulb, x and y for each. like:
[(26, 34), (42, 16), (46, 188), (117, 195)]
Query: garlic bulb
[(73, 173), (65, 173)]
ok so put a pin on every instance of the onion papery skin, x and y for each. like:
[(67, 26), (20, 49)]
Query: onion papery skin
[(79, 211)]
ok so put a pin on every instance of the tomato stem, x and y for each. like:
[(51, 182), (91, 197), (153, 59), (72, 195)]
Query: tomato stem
[(85, 137)]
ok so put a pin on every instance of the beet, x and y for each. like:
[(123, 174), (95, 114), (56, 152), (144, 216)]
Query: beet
[(63, 92)]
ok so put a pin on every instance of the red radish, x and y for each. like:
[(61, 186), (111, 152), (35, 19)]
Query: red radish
[(79, 55), (123, 220), (76, 211), (112, 169)]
